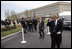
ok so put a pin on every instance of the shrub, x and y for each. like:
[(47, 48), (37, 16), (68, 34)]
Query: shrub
[(7, 27), (19, 26)]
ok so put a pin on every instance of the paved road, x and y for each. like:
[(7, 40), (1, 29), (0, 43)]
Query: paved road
[(33, 41)]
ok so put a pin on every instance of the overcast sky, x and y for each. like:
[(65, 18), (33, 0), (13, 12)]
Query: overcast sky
[(20, 6)]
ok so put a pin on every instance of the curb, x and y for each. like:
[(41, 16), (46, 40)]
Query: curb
[(10, 35)]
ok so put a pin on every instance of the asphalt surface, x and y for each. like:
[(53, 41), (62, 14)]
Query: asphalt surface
[(33, 40)]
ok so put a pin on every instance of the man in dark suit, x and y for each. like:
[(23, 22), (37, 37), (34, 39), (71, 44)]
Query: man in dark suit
[(41, 28), (31, 25), (23, 24), (35, 24), (56, 27), (63, 28)]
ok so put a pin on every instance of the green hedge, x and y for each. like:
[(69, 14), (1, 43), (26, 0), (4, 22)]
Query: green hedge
[(7, 28), (10, 29), (5, 33)]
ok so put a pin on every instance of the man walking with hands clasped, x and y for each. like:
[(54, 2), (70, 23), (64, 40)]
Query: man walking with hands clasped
[(41, 28)]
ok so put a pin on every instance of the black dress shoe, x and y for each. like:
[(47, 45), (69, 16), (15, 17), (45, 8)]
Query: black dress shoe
[(40, 37)]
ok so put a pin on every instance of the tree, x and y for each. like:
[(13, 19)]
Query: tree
[(7, 14), (27, 13), (13, 15), (10, 15)]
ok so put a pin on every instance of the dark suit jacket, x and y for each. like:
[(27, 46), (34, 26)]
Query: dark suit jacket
[(41, 25), (59, 27), (23, 24), (30, 22), (35, 22)]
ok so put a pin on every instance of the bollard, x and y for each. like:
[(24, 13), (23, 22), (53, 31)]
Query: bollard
[(23, 36), (48, 32)]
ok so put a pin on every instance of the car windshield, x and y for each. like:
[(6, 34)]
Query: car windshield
[(66, 18)]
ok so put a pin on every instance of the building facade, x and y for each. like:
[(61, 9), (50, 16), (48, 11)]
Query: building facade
[(51, 9), (45, 11)]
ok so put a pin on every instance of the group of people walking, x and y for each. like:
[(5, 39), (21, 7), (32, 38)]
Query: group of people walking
[(29, 25), (55, 27)]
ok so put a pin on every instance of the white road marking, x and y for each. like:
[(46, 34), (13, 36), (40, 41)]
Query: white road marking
[(10, 35)]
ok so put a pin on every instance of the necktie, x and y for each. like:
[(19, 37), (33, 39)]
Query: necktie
[(54, 26), (40, 23)]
